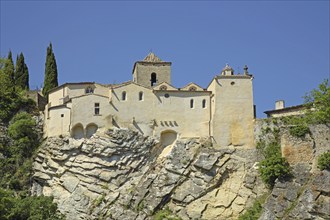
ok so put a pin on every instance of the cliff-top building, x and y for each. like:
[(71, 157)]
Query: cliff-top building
[(149, 104)]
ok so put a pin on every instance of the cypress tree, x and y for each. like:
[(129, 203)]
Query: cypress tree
[(8, 73), (50, 80), (21, 76)]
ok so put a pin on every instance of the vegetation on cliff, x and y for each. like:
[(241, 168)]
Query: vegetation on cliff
[(324, 161), (317, 103), (19, 139)]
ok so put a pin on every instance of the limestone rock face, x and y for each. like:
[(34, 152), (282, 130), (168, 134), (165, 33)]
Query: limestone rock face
[(124, 175), (305, 196)]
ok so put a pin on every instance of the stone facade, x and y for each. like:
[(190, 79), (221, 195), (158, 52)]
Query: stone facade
[(151, 106)]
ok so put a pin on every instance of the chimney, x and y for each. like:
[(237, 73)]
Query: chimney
[(279, 104)]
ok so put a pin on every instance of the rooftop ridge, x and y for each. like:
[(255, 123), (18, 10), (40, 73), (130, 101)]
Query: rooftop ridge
[(151, 57)]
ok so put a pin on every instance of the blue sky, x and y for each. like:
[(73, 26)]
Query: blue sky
[(284, 43)]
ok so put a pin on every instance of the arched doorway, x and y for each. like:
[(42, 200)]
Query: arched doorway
[(91, 129), (168, 137), (77, 131)]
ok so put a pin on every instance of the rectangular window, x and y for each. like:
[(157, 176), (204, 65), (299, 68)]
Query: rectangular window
[(97, 108)]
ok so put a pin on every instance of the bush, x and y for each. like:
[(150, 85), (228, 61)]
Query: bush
[(11, 103), (274, 165), (165, 214), (33, 208), (299, 130), (22, 131), (252, 213), (323, 162), (16, 164)]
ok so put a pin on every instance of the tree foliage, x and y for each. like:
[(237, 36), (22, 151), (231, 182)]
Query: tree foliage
[(8, 83), (12, 102), (14, 207), (21, 76), (318, 104), (274, 165), (50, 80), (22, 131)]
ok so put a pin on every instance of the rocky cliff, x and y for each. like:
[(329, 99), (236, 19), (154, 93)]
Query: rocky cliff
[(306, 194), (124, 175)]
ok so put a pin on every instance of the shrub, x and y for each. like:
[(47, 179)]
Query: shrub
[(34, 208), (11, 103), (323, 162), (253, 213), (273, 168), (165, 214), (299, 130), (274, 165), (22, 131)]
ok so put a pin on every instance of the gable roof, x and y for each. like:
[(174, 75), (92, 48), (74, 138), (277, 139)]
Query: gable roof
[(128, 83), (169, 86), (190, 85)]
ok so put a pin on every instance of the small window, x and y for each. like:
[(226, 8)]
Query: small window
[(96, 108), (191, 103), (62, 115), (204, 103), (89, 90), (192, 88), (167, 95), (232, 83), (140, 96), (123, 96), (163, 88)]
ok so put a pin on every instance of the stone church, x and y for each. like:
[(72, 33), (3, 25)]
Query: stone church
[(149, 104)]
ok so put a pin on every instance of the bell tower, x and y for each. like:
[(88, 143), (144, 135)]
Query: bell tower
[(151, 71)]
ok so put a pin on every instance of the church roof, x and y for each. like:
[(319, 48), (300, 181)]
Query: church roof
[(151, 57)]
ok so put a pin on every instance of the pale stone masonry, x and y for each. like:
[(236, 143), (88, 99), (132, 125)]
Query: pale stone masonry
[(149, 104)]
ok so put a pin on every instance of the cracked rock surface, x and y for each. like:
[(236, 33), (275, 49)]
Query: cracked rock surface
[(124, 175)]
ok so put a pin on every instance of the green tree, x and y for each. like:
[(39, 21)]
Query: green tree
[(22, 131), (21, 76), (9, 72), (50, 80), (318, 104), (31, 207), (5, 82)]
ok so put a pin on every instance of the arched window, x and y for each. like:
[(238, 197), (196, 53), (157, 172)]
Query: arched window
[(140, 96), (191, 103), (153, 79), (89, 90), (123, 96), (163, 88), (204, 103)]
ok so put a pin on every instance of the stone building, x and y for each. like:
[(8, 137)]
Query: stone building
[(149, 104), (282, 111)]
